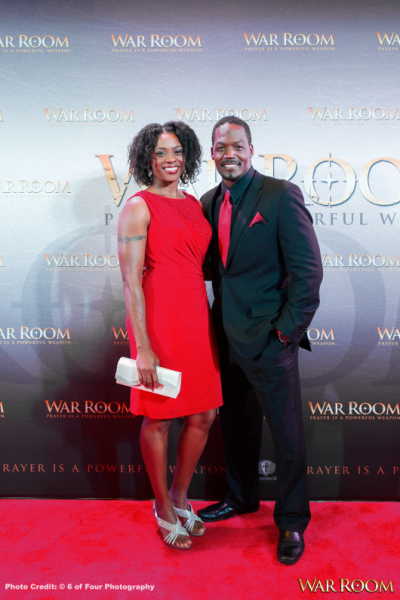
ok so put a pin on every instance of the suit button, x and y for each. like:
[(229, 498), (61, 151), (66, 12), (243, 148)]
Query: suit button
[(224, 277)]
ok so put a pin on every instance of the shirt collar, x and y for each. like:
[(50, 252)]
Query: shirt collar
[(239, 187)]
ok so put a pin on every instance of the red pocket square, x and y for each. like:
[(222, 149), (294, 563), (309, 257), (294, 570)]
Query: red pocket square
[(257, 219)]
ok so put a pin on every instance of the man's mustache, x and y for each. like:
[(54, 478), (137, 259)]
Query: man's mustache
[(230, 162)]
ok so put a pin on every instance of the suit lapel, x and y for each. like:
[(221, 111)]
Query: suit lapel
[(245, 210)]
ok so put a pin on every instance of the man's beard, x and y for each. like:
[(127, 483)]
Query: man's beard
[(231, 175)]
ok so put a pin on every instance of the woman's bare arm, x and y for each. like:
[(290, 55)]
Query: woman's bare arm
[(132, 236)]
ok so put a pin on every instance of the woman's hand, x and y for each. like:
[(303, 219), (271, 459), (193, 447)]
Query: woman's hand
[(146, 363)]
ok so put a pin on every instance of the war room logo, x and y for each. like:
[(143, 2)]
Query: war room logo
[(388, 42), (120, 337), (23, 188), (156, 43), (335, 411), (37, 44), (284, 42), (360, 262), (24, 335), (345, 585), (328, 181), (320, 337), (207, 116), (353, 115), (67, 409), (88, 117), (388, 336), (81, 262), (338, 172)]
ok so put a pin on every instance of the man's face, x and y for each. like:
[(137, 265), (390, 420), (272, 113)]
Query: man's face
[(231, 152)]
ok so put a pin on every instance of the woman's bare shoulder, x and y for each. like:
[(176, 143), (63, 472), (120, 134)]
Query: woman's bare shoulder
[(135, 205), (135, 212)]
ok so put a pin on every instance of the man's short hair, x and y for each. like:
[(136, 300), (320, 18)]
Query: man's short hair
[(234, 121)]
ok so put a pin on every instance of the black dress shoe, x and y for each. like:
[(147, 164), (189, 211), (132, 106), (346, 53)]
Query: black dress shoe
[(290, 547), (220, 512)]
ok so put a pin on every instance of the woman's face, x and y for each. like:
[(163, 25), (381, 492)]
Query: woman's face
[(168, 161)]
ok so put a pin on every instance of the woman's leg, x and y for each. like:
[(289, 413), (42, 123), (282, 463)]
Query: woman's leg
[(154, 443), (192, 440)]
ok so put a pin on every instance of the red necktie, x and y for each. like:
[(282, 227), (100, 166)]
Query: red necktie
[(224, 226)]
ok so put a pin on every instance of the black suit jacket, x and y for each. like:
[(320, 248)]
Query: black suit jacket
[(273, 270)]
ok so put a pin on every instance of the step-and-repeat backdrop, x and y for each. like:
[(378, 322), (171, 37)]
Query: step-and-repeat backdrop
[(318, 83)]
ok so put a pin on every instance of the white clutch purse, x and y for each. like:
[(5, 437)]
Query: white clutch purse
[(127, 375)]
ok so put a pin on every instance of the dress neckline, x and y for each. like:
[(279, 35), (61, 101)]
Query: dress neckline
[(167, 197), (189, 211)]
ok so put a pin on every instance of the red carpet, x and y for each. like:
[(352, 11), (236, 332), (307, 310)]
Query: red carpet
[(99, 543)]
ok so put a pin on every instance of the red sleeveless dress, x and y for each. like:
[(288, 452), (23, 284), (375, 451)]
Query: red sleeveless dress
[(178, 318)]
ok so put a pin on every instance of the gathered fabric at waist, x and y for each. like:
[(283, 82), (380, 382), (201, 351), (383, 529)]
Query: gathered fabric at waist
[(178, 278), (175, 303)]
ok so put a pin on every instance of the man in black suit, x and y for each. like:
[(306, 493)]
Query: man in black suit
[(266, 276)]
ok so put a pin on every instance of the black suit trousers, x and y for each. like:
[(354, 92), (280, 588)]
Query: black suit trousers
[(252, 387)]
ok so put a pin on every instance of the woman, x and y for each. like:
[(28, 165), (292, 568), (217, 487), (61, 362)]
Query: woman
[(169, 322)]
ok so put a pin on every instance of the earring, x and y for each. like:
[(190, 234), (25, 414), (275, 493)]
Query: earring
[(150, 172)]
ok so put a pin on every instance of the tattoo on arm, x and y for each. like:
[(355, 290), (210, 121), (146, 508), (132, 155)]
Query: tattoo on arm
[(127, 239)]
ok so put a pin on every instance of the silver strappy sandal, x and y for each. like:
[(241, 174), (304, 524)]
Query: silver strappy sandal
[(191, 519), (175, 529)]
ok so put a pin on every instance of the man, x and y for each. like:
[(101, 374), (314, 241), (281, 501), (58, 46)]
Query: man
[(266, 276)]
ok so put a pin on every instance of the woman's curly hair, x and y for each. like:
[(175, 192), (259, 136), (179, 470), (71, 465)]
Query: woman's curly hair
[(141, 149)]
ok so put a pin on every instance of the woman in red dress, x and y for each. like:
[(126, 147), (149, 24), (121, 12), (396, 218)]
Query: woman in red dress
[(169, 322)]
